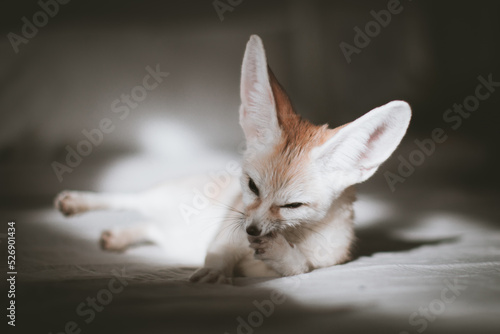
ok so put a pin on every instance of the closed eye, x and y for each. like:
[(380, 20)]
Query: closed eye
[(292, 205)]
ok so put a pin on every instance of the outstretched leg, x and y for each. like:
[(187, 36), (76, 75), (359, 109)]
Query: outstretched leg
[(119, 239), (73, 202)]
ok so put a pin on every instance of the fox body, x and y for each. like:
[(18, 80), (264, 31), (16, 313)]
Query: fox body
[(291, 209)]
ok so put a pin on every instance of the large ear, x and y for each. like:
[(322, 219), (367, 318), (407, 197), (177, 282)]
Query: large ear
[(357, 149), (258, 116)]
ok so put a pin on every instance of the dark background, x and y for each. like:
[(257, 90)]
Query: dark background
[(65, 78)]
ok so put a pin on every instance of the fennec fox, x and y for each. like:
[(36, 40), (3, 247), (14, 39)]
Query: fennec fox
[(291, 211)]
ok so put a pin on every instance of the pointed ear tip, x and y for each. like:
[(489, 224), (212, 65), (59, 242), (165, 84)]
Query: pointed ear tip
[(255, 41), (401, 107), (399, 104), (255, 38)]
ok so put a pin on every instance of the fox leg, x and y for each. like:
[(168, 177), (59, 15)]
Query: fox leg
[(74, 202), (225, 251), (275, 251), (119, 239)]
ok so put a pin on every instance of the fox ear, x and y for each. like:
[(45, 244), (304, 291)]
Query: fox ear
[(357, 149), (258, 116)]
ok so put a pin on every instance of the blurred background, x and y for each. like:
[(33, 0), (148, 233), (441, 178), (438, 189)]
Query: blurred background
[(84, 68), (65, 79)]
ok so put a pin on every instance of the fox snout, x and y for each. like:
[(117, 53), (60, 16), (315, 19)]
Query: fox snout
[(253, 230), (259, 228)]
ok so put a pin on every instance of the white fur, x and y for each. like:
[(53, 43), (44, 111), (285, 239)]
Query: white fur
[(258, 111), (354, 154), (315, 235)]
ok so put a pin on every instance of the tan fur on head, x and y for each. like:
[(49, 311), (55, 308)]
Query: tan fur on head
[(298, 137), (296, 130)]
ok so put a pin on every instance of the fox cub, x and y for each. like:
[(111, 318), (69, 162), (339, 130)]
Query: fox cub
[(291, 209)]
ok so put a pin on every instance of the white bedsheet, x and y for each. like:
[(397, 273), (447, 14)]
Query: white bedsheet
[(416, 271)]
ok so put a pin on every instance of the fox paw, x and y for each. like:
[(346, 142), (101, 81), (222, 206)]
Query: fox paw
[(269, 247), (209, 275), (70, 203), (113, 241)]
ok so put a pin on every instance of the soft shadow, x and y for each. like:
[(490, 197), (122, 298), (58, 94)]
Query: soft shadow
[(379, 240)]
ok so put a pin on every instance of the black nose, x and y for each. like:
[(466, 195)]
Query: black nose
[(253, 230)]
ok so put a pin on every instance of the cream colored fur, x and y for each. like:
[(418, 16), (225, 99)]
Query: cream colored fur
[(291, 210)]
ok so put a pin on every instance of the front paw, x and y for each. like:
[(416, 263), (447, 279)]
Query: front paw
[(209, 275), (269, 247)]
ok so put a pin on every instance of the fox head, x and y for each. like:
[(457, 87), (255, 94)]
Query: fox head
[(293, 170)]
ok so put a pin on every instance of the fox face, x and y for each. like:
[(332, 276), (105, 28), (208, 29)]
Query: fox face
[(293, 170), (281, 189), (281, 186)]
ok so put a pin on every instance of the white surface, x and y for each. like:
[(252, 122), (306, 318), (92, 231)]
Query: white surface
[(405, 267)]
